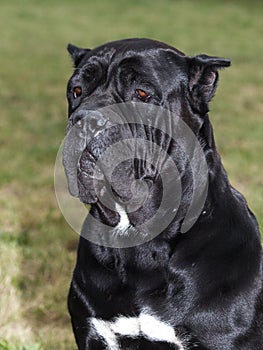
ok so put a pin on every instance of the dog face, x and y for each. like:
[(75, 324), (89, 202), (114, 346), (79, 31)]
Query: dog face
[(135, 72)]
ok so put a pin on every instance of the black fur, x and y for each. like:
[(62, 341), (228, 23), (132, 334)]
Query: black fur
[(207, 282)]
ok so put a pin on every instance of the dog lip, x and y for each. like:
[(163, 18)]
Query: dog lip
[(88, 168)]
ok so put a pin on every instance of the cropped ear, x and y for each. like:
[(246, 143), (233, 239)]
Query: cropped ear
[(76, 53), (204, 77)]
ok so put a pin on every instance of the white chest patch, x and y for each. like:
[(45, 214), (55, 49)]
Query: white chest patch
[(145, 325), (124, 222)]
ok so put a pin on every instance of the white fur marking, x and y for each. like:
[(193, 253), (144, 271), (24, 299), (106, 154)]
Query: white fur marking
[(104, 330), (155, 329), (124, 222), (128, 326), (146, 325)]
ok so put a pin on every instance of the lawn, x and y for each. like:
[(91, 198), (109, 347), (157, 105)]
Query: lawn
[(37, 247)]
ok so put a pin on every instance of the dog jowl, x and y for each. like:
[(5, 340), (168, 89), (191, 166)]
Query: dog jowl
[(140, 150)]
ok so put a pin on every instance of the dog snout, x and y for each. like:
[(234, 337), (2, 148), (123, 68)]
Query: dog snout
[(90, 120)]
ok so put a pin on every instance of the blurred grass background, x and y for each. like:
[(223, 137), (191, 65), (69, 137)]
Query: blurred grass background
[(37, 247)]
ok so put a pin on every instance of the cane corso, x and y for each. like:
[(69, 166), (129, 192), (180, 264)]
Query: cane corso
[(177, 283)]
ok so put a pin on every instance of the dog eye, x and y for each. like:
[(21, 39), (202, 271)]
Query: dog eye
[(142, 95), (77, 92)]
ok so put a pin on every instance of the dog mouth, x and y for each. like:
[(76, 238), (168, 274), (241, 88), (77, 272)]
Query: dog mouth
[(113, 164), (104, 163), (96, 180)]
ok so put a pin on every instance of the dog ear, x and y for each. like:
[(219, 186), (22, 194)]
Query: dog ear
[(76, 53), (204, 76)]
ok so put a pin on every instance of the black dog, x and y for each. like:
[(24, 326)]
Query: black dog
[(195, 284)]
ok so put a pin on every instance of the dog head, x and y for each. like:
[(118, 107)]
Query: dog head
[(130, 90)]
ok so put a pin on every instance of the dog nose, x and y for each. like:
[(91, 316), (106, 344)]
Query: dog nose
[(91, 120)]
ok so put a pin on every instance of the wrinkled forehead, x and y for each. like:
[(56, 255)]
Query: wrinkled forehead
[(134, 51)]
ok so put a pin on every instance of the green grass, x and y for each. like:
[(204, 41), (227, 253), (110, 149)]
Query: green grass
[(36, 245), (5, 346)]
